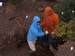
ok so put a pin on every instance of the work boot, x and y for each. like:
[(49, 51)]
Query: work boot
[(55, 46)]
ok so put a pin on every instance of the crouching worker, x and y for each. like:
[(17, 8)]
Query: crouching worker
[(50, 24), (34, 32)]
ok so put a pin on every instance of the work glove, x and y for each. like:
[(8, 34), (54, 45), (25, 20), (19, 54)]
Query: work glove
[(46, 32), (53, 34)]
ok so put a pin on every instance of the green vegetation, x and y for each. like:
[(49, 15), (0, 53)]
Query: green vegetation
[(34, 1), (13, 1), (66, 11), (66, 29)]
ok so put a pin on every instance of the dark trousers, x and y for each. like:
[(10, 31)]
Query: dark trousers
[(47, 40)]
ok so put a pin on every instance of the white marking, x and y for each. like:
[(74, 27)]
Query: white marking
[(71, 48), (26, 17), (72, 11), (62, 12), (1, 3)]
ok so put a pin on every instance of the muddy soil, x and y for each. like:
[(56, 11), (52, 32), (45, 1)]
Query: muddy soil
[(10, 31)]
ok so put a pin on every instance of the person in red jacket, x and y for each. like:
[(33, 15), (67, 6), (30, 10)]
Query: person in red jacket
[(50, 24)]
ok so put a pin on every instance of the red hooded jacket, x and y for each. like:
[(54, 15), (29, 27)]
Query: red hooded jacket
[(50, 21)]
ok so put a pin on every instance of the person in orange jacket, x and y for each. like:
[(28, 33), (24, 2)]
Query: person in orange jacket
[(50, 24)]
